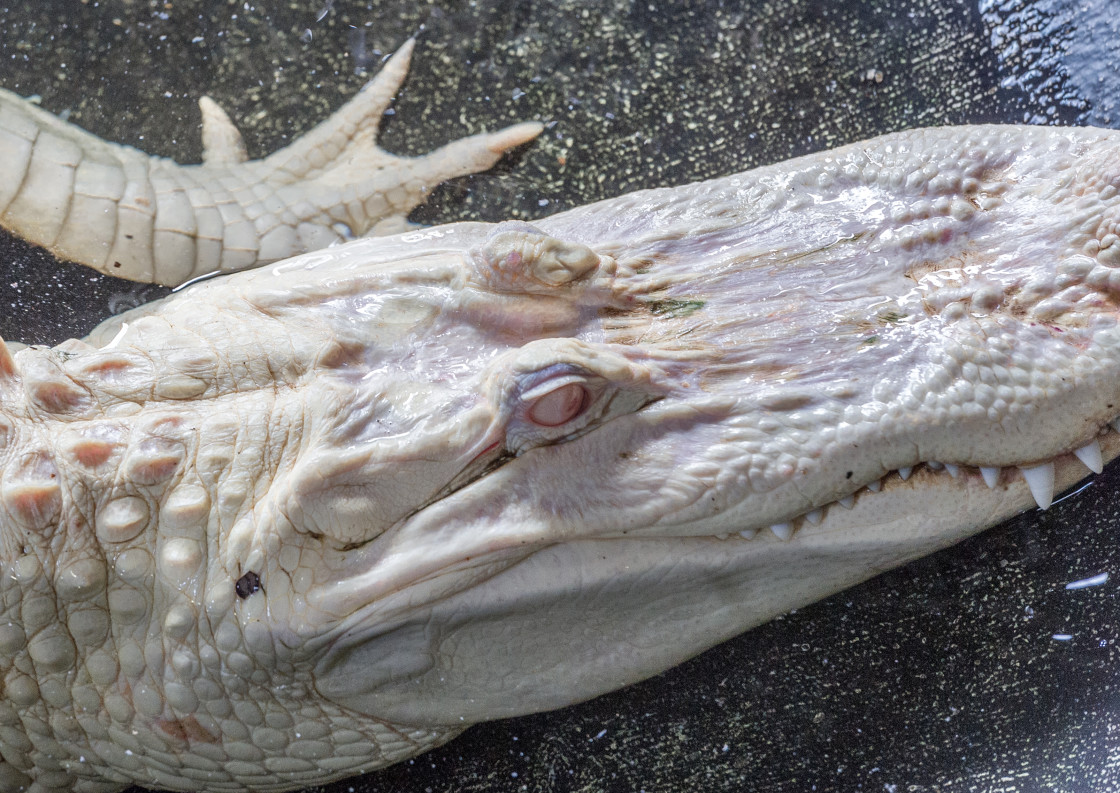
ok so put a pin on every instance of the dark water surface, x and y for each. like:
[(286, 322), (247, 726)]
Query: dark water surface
[(942, 676)]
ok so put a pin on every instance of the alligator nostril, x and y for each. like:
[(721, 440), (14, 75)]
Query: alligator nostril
[(519, 255), (247, 584)]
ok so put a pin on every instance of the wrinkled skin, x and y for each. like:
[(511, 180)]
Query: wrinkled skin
[(315, 518)]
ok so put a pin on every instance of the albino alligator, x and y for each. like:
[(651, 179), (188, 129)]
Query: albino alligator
[(314, 518)]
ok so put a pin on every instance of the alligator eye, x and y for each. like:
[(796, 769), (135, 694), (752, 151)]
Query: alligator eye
[(559, 406)]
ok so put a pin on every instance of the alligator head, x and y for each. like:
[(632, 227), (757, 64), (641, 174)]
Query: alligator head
[(412, 483)]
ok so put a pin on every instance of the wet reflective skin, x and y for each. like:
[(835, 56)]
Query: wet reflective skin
[(961, 603)]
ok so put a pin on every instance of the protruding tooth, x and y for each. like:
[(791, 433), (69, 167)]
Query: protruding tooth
[(954, 470), (875, 486), (1040, 479), (933, 465), (847, 502), (905, 472), (1115, 424), (815, 517), (783, 531), (7, 363), (748, 534), (1090, 454), (991, 476)]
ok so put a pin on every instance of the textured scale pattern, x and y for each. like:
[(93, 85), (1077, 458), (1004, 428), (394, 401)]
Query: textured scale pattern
[(317, 517), (118, 654), (119, 211)]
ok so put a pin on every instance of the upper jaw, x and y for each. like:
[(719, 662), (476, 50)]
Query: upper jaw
[(670, 472), (470, 537)]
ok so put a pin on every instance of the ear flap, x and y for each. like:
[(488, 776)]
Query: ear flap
[(368, 468), (327, 495)]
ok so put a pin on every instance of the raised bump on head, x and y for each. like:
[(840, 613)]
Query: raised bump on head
[(51, 389), (518, 255), (31, 491), (153, 460), (122, 519)]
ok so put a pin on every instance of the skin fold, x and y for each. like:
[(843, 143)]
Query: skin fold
[(314, 518)]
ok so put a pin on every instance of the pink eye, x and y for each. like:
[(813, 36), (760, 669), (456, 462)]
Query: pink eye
[(559, 406)]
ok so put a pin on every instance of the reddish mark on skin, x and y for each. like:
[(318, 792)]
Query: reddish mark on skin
[(7, 363), (165, 424), (112, 370), (106, 366), (155, 460), (58, 397), (32, 495), (187, 729), (487, 450), (35, 505), (91, 454), (150, 472)]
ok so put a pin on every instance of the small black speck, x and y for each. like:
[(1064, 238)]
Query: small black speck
[(247, 584), (848, 475)]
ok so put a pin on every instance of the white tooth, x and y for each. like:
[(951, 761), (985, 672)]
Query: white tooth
[(847, 502), (723, 536), (1115, 424), (783, 531), (875, 486), (1040, 479), (815, 517), (933, 465), (748, 534), (905, 472), (991, 476), (1090, 454), (954, 470)]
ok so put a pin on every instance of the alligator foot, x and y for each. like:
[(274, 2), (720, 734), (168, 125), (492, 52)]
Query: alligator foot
[(125, 213)]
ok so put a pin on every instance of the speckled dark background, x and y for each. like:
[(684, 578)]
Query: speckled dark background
[(942, 676)]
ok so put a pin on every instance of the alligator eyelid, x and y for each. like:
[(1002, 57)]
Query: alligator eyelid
[(547, 387)]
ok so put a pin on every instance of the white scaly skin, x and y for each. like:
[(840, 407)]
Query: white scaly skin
[(127, 214), (485, 470)]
